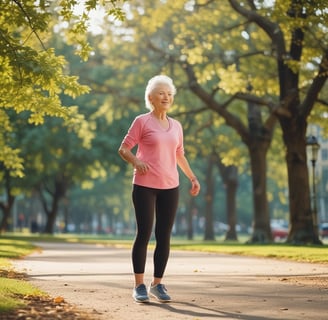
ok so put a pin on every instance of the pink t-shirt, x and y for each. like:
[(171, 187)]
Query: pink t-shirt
[(157, 147)]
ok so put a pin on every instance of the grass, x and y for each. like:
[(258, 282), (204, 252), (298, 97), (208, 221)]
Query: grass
[(10, 292), (306, 253), (313, 254), (12, 289), (14, 246)]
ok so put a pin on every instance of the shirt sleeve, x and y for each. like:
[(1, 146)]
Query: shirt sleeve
[(180, 148), (133, 135)]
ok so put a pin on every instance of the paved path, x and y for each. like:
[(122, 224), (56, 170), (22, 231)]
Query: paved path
[(203, 286)]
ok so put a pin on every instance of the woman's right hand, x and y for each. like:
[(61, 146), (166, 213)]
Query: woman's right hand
[(141, 167)]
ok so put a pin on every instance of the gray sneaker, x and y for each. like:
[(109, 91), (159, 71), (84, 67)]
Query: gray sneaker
[(160, 293), (140, 294)]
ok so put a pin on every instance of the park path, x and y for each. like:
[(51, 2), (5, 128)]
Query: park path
[(202, 285)]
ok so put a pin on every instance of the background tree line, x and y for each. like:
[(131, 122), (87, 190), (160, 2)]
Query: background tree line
[(249, 78)]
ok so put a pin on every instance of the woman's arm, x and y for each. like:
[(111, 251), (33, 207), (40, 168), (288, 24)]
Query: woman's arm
[(185, 167), (129, 157)]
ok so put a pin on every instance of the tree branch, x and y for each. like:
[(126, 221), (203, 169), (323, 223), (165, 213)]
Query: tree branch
[(316, 86), (323, 102), (14, 51), (272, 29), (30, 23), (209, 100)]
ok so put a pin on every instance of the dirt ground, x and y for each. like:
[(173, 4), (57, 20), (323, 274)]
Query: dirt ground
[(90, 282), (46, 307)]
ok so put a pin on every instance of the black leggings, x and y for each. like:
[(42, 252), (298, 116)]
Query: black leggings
[(164, 203)]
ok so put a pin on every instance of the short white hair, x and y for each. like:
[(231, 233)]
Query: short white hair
[(153, 83)]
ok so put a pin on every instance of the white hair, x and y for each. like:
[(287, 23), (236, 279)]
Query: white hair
[(153, 83)]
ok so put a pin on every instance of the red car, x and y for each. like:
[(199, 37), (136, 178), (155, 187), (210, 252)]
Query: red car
[(279, 232)]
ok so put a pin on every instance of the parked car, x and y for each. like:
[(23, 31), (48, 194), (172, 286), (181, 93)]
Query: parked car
[(279, 233), (279, 230), (323, 230)]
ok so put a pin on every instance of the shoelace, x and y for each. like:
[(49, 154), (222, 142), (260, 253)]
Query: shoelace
[(161, 288), (142, 290)]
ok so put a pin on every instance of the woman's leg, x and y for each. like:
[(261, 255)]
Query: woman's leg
[(166, 207), (144, 204)]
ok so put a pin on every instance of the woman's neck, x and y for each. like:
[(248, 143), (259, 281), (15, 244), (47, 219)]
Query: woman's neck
[(160, 115)]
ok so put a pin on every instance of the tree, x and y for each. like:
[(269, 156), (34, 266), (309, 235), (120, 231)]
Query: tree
[(7, 205), (34, 78), (169, 41), (296, 30), (188, 46), (230, 178), (273, 82), (32, 75), (260, 57)]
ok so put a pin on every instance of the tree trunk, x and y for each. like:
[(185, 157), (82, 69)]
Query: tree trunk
[(6, 206), (65, 210), (191, 210), (59, 192), (51, 217), (301, 219), (261, 227), (294, 126), (229, 175), (231, 182), (6, 211), (209, 196)]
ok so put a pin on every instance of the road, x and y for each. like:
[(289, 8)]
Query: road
[(202, 285)]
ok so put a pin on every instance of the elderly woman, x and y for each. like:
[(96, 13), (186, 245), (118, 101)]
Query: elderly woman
[(155, 182)]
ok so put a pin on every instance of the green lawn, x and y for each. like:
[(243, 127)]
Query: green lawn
[(313, 254), (11, 288), (14, 246)]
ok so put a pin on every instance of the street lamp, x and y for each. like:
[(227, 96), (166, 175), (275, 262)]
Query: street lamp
[(313, 147)]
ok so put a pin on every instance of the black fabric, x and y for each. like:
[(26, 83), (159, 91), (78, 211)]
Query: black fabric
[(150, 204)]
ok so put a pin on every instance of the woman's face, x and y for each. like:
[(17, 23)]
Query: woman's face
[(161, 97)]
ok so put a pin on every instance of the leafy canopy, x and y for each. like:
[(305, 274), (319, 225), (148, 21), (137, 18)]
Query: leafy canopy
[(33, 78)]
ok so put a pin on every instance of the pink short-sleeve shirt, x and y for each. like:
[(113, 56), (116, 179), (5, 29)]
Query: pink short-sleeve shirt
[(157, 147)]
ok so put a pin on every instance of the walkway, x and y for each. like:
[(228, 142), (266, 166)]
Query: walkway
[(203, 286)]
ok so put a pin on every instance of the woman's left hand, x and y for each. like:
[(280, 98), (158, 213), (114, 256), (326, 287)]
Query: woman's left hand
[(195, 187)]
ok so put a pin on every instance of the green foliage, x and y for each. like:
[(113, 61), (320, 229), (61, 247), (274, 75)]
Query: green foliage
[(32, 76), (76, 17)]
